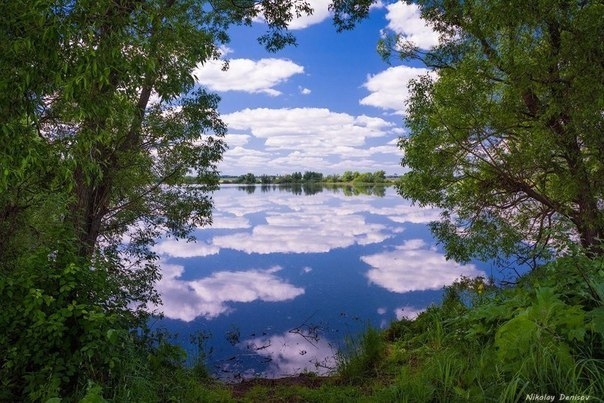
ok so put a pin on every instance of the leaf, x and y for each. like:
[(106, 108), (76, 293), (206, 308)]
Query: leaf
[(595, 319), (514, 338), (599, 288), (112, 336)]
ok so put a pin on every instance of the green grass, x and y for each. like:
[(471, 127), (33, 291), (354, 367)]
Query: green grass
[(362, 358)]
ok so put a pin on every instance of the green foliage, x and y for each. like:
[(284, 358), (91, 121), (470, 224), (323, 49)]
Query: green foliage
[(349, 176), (378, 177), (67, 332), (540, 324), (326, 393), (247, 179), (101, 125), (265, 179), (311, 176), (486, 343), (505, 133), (360, 360)]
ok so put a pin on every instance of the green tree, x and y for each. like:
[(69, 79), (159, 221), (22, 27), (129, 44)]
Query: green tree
[(349, 176), (506, 133), (248, 179), (332, 178), (101, 124), (365, 177), (379, 176), (311, 176), (266, 179), (296, 177), (283, 179)]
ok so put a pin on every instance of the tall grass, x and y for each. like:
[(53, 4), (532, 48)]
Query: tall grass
[(360, 359)]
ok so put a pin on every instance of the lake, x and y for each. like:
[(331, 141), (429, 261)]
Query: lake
[(285, 275)]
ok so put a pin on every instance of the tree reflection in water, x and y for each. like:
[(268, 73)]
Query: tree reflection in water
[(310, 188)]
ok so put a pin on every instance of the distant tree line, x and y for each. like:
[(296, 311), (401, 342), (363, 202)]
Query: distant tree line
[(312, 177)]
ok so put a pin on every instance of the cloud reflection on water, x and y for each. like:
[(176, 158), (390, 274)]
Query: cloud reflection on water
[(278, 222), (182, 248), (292, 353), (315, 224), (342, 256), (209, 296), (406, 213), (220, 220), (304, 232), (414, 266)]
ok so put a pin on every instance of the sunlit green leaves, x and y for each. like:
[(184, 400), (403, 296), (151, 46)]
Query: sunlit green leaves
[(102, 124), (506, 136)]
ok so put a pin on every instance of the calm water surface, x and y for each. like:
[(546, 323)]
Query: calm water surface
[(285, 275)]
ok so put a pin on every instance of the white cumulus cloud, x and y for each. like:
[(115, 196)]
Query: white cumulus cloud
[(304, 128), (292, 353), (285, 140), (210, 296), (247, 75), (182, 248), (234, 140), (405, 20), (320, 14), (415, 267), (389, 88)]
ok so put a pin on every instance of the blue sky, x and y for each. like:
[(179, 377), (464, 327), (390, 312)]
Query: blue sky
[(330, 104)]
